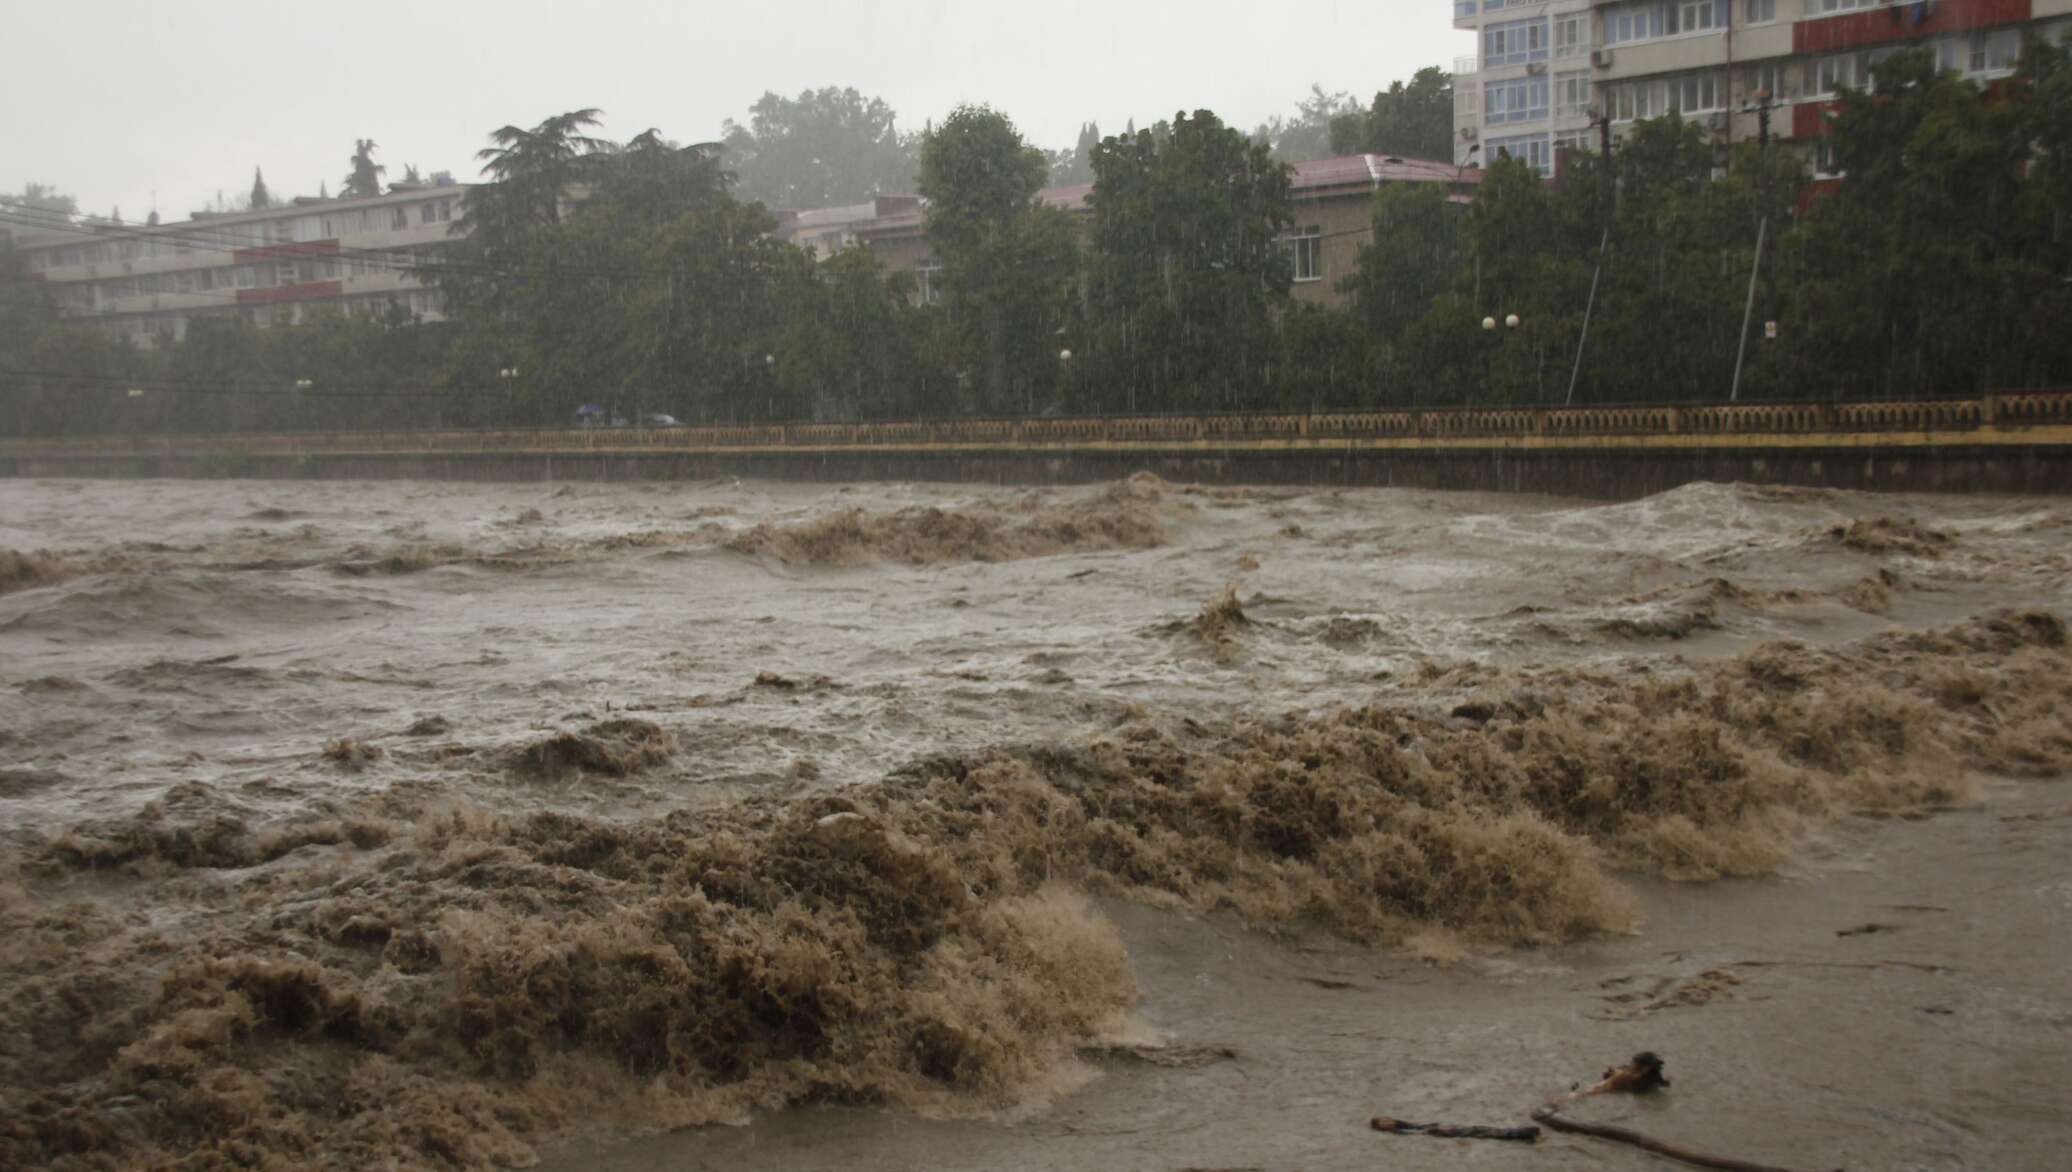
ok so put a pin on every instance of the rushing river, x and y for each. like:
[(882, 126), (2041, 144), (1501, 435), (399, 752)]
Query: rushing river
[(349, 824)]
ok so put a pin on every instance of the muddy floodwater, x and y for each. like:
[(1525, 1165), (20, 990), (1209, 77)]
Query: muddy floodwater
[(754, 825)]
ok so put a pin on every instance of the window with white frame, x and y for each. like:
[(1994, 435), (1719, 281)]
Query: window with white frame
[(1638, 100), (1514, 42), (1994, 52), (399, 217), (1306, 253), (1577, 143), (1695, 93), (1645, 20), (1522, 99), (1759, 11), (1535, 150), (1834, 74), (1571, 34), (1766, 77), (1572, 94), (1697, 16), (247, 276), (1827, 6), (928, 278)]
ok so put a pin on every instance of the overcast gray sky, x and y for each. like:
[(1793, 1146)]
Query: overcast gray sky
[(115, 100)]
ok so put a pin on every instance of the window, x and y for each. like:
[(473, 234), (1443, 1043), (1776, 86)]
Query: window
[(1569, 36), (1834, 74), (399, 217), (1638, 100), (1649, 19), (1533, 149), (183, 282), (1824, 162), (1767, 77), (1514, 43), (1849, 5), (1572, 94), (284, 273), (1694, 93), (1696, 16), (1523, 99), (1994, 52), (1306, 253), (247, 276), (1759, 11)]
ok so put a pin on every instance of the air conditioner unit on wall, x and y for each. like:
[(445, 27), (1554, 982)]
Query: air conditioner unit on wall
[(1469, 134), (1601, 58), (1535, 67)]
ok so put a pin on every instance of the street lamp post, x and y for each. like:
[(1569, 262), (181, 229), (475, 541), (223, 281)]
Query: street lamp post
[(509, 377)]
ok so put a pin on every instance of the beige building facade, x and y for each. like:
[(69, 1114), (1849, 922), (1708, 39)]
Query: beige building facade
[(1546, 72), (276, 266), (1332, 200)]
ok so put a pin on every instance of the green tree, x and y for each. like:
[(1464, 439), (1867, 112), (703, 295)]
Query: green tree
[(656, 180), (1006, 263), (365, 177), (824, 148), (1417, 254), (1188, 264), (1307, 135), (1938, 264), (38, 197), (1413, 121)]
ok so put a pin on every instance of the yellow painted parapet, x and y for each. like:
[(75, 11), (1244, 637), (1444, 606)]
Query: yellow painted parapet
[(2019, 420)]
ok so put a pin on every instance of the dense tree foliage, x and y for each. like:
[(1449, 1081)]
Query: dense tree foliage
[(824, 148), (634, 277), (1007, 264), (365, 177), (1413, 121), (1186, 265)]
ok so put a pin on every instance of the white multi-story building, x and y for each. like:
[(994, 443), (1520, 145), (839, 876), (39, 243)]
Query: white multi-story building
[(356, 256), (1547, 69)]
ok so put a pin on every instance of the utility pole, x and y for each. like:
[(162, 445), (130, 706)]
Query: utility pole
[(1748, 311)]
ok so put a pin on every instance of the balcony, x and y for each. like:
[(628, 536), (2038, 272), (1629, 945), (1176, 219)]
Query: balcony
[(1466, 66), (1464, 12)]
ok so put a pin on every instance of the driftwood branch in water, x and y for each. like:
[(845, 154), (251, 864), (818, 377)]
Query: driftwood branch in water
[(1559, 1122), (1452, 1131)]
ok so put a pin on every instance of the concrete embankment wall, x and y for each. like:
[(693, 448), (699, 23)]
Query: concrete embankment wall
[(2016, 443), (1586, 472)]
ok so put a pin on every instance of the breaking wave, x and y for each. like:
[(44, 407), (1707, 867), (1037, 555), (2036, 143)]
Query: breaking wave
[(440, 985), (1120, 517)]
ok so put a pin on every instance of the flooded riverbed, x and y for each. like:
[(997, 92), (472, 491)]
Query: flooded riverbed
[(460, 824)]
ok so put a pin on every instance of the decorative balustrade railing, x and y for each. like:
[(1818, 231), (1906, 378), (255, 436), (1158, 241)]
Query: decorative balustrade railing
[(2004, 416)]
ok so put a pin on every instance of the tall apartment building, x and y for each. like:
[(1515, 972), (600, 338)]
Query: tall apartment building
[(356, 256), (1547, 68)]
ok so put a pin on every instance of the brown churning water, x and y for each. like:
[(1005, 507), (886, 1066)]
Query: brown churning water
[(428, 824)]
